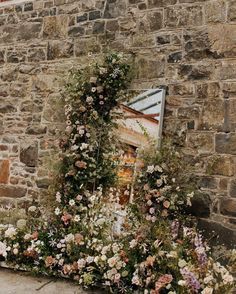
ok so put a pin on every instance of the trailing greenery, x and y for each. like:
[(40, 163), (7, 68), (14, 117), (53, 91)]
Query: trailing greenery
[(145, 246)]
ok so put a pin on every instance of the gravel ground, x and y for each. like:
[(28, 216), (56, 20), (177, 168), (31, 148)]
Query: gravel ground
[(12, 282)]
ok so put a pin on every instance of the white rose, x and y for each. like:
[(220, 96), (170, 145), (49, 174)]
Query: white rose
[(135, 280), (21, 223), (228, 279), (32, 208), (10, 233), (181, 283), (15, 251)]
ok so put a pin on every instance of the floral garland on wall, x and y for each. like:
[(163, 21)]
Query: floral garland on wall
[(155, 251)]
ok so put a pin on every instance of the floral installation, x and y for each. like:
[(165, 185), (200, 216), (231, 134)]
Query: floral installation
[(154, 250)]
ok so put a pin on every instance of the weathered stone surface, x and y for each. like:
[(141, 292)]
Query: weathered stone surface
[(229, 89), (225, 143), (160, 3), (198, 71), (213, 115), (43, 183), (94, 14), (129, 25), (201, 204), (188, 112), (112, 26), (2, 54), (180, 16), (44, 83), (98, 27), (202, 142), (217, 233), (221, 165), (208, 183), (21, 32), (4, 171), (191, 1), (227, 70), (36, 55), (83, 46), (76, 31), (222, 38), (12, 191), (208, 90), (36, 130), (114, 9), (175, 57), (7, 108), (29, 153), (155, 20), (228, 207), (28, 6), (16, 57), (182, 89), (232, 10), (223, 184), (53, 111), (150, 67), (55, 26), (58, 49), (215, 11), (232, 191), (197, 45), (82, 17)]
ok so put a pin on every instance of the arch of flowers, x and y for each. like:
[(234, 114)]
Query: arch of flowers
[(157, 251)]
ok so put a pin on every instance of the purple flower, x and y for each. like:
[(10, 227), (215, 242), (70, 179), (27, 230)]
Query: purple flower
[(200, 250), (190, 279)]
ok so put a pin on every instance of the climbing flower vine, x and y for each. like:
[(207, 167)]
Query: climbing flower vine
[(152, 249)]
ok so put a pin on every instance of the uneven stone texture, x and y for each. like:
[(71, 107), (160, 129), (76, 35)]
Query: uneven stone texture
[(200, 205), (187, 46), (228, 207), (4, 170), (12, 191), (221, 165), (226, 45), (212, 230), (226, 143), (233, 188), (29, 154), (202, 142)]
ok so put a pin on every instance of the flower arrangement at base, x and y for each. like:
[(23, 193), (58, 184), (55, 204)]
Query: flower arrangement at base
[(156, 251)]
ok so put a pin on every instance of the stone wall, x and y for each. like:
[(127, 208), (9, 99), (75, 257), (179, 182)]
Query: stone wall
[(189, 46)]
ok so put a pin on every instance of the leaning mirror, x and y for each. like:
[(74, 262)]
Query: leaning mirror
[(141, 122), (143, 118)]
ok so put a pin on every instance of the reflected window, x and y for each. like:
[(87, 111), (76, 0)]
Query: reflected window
[(143, 118), (142, 121)]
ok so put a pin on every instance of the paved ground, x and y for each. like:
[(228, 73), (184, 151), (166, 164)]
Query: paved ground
[(12, 282)]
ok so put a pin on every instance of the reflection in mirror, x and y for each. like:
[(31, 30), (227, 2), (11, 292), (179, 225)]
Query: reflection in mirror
[(143, 118), (142, 121)]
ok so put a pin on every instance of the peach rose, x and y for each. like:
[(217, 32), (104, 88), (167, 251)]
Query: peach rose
[(49, 261), (66, 218), (81, 164), (78, 238)]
